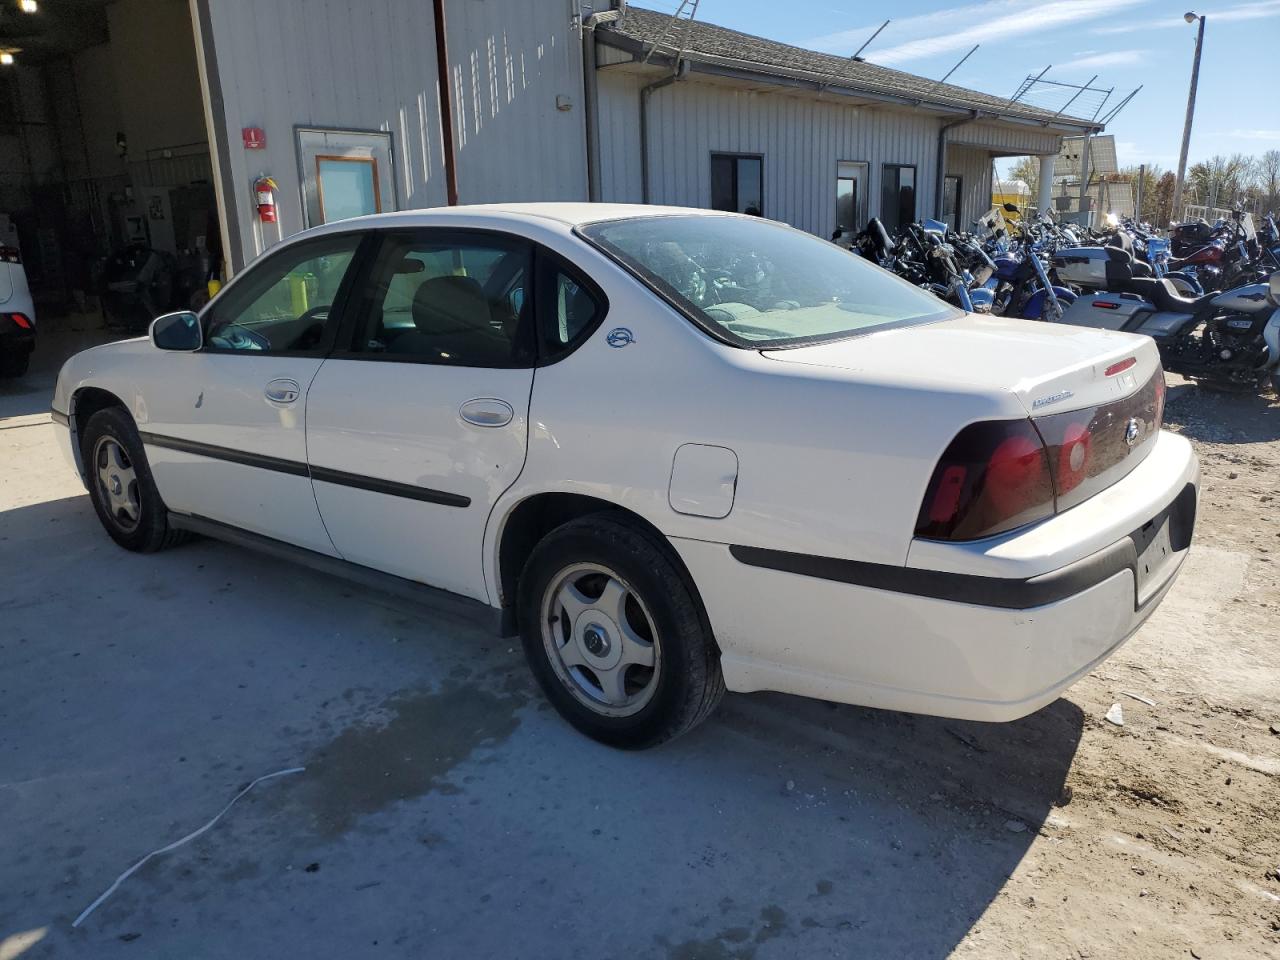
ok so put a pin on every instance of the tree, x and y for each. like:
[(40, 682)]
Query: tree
[(1267, 169), (1150, 186), (1162, 212), (1220, 181), (1027, 169)]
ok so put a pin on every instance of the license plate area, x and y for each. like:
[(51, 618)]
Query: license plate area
[(1155, 553)]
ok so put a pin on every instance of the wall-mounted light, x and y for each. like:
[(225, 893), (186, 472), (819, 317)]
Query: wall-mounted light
[(28, 6), (6, 59)]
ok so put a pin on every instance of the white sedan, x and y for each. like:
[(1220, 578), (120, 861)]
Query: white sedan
[(677, 451)]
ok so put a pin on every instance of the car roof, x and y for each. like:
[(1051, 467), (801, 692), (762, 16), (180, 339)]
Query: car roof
[(571, 214)]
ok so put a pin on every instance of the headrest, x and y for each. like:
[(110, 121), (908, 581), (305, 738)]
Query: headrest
[(445, 305)]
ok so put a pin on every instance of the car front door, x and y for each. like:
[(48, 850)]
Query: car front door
[(419, 420), (225, 426)]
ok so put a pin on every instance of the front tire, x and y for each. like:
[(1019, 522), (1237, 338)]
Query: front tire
[(614, 634), (123, 492)]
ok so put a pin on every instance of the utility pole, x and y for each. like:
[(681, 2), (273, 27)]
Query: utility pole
[(1191, 109)]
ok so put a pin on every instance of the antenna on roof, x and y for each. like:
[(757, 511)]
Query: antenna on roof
[(955, 68), (839, 72), (691, 6), (1076, 94), (1028, 83), (1119, 106), (869, 39)]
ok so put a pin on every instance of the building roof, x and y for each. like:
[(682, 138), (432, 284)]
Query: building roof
[(706, 42)]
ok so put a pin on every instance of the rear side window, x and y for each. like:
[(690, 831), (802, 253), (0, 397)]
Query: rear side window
[(444, 297), (570, 307)]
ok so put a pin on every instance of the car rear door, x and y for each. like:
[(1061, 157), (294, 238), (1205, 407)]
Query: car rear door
[(419, 420), (224, 427)]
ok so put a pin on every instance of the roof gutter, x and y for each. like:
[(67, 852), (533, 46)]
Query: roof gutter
[(942, 160), (682, 70), (591, 96)]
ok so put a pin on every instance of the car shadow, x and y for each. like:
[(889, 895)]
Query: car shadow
[(442, 800), (1214, 416)]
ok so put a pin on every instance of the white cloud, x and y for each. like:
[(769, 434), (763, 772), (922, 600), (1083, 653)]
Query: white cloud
[(1114, 58), (960, 28), (1252, 134), (1259, 10)]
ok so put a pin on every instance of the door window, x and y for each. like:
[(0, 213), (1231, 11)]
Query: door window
[(851, 195), (952, 191), (348, 187), (737, 183), (897, 196), (435, 297), (283, 305)]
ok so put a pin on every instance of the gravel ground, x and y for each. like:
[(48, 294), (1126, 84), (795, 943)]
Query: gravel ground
[(445, 810)]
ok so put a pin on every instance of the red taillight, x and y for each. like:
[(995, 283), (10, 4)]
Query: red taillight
[(1106, 305), (993, 477), (1120, 367), (21, 319)]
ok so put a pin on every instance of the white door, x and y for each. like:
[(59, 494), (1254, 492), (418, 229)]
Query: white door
[(345, 173), (225, 427), (416, 431)]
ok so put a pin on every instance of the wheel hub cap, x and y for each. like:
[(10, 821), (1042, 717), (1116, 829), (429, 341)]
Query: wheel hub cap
[(116, 486), (595, 640)]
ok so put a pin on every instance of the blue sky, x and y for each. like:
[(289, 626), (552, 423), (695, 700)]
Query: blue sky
[(1127, 43)]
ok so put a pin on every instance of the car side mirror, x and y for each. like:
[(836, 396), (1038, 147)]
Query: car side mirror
[(177, 331), (1273, 289)]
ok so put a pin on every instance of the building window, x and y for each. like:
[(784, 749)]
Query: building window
[(952, 191), (737, 183), (851, 195), (897, 196)]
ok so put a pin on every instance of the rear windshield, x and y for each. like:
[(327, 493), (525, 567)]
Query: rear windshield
[(760, 284)]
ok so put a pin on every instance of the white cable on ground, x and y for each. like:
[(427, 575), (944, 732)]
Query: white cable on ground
[(177, 843)]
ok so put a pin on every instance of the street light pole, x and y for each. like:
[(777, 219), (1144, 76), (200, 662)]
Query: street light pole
[(1191, 109)]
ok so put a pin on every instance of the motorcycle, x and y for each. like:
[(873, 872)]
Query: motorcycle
[(1229, 338)]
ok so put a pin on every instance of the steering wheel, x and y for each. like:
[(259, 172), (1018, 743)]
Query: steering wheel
[(312, 323)]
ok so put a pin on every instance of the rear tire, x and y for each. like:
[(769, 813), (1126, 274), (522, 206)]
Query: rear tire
[(614, 634), (120, 484)]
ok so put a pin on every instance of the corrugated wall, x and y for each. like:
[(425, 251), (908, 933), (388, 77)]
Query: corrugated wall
[(801, 139), (372, 66), (973, 167)]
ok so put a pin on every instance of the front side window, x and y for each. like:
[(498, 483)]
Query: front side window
[(737, 183), (897, 196), (448, 298), (283, 304), (757, 284), (851, 195)]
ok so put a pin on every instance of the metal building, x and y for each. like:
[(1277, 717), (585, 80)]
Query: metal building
[(694, 114), (164, 124)]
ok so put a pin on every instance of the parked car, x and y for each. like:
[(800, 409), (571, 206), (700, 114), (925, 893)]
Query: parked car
[(677, 450), (17, 315)]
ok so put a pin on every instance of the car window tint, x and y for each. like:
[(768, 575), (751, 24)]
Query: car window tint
[(283, 304), (446, 300)]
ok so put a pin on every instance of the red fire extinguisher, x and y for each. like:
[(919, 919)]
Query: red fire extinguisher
[(264, 192)]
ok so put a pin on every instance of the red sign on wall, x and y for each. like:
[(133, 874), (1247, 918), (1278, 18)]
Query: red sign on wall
[(255, 138)]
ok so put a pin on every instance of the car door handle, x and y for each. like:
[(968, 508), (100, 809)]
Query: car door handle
[(282, 390), (487, 412)]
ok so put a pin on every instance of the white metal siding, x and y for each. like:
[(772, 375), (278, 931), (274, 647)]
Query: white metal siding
[(973, 166), (801, 139), (372, 66)]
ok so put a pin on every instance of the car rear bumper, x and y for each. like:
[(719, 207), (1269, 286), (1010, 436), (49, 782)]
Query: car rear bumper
[(942, 641), (15, 340)]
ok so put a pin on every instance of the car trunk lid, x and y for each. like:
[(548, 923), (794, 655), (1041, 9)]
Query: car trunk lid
[(1048, 367)]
